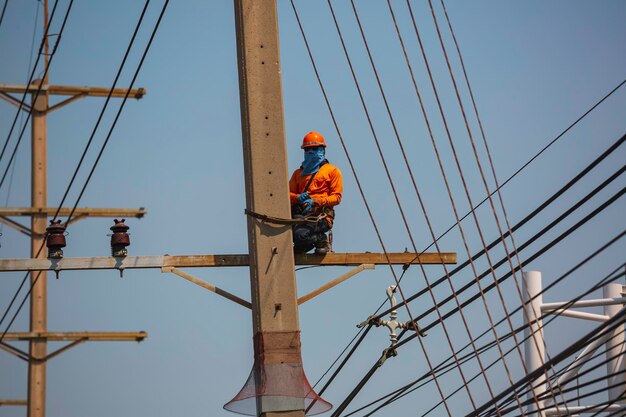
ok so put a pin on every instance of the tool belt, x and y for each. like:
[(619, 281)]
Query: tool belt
[(297, 211)]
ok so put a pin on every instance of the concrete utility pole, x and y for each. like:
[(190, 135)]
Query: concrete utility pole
[(39, 280), (37, 348), (272, 274), (39, 211)]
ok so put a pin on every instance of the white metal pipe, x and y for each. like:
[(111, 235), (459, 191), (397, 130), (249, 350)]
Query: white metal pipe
[(581, 409), (584, 303), (583, 357), (534, 352), (615, 346), (580, 315)]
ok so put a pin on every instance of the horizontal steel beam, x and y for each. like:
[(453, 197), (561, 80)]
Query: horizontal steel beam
[(585, 409), (583, 303), (72, 336), (63, 90), (65, 211), (207, 261), (580, 315)]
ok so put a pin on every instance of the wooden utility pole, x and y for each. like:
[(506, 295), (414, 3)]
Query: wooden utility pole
[(272, 274)]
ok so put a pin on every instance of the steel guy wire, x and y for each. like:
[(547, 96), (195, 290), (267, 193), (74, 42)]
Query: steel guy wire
[(543, 231), (422, 107), (611, 276), (546, 395), (537, 254), (536, 211), (545, 289), (404, 391), (445, 180), (619, 412), (391, 118), (486, 185), (609, 325), (464, 182), (30, 80), (527, 218), (531, 160), (535, 237), (588, 394), (584, 384), (387, 172), (603, 352), (551, 317), (345, 149)]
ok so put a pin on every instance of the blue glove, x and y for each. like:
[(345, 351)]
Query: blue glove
[(303, 197), (307, 205)]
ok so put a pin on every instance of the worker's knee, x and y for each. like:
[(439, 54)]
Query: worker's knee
[(303, 234)]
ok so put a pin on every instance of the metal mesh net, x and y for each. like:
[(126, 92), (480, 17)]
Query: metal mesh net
[(277, 381)]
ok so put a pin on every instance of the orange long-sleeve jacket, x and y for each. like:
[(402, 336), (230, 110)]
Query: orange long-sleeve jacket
[(326, 187)]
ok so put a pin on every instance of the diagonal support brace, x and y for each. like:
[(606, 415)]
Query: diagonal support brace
[(17, 226), (335, 282), (207, 286)]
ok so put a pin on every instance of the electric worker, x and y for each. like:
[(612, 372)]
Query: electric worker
[(314, 188)]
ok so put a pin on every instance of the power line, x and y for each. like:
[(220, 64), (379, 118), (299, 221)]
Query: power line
[(399, 141), (522, 222), (531, 160), (83, 155), (561, 217), (345, 149), (610, 325), (103, 110), (39, 88), (30, 79), (30, 61), (103, 146), (543, 231), (4, 9), (609, 277), (537, 254)]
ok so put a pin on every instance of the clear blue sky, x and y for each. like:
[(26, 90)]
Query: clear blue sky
[(535, 67)]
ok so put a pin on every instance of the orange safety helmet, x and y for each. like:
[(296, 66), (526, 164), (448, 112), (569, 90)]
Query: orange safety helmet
[(313, 139)]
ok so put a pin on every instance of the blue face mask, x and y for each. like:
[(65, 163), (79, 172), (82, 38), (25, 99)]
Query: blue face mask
[(312, 160)]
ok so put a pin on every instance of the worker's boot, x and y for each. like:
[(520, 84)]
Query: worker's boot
[(322, 247)]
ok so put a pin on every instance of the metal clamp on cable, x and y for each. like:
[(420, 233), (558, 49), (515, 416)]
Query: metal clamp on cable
[(280, 220), (370, 321), (392, 324)]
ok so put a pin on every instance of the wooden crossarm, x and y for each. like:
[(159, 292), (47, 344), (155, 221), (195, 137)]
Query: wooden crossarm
[(63, 90), (208, 261), (73, 336)]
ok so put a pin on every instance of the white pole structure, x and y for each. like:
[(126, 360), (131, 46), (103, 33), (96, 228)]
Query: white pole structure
[(615, 346), (534, 352)]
